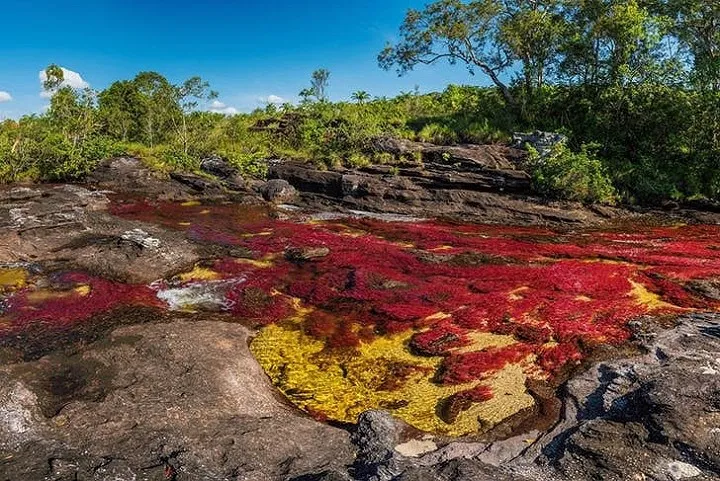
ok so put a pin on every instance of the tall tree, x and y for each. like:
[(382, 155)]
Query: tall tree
[(188, 95), (72, 111), (319, 84), (121, 110), (697, 25), (485, 35), (615, 42), (159, 105)]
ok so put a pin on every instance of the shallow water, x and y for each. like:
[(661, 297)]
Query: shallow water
[(442, 324)]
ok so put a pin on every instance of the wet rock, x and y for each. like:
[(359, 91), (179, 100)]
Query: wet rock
[(183, 397), (223, 170), (637, 418), (278, 191)]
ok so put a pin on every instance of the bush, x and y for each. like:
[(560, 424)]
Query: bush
[(568, 175), (250, 164), (438, 134), (483, 133)]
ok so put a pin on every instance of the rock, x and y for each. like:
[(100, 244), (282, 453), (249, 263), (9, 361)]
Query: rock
[(679, 470), (279, 191), (222, 169), (375, 436), (543, 142), (416, 448), (151, 399), (67, 226), (634, 418), (458, 470), (129, 175), (305, 254), (435, 190), (460, 157)]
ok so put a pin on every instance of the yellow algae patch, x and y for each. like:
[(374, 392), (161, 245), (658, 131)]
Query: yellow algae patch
[(438, 316), (191, 203), (46, 294), (484, 340), (382, 374), (11, 279), (258, 234), (516, 294), (83, 290), (441, 248), (199, 274), (649, 299), (263, 263)]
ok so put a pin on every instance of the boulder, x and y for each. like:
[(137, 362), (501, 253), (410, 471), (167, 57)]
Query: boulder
[(279, 191), (223, 170), (543, 142), (177, 400)]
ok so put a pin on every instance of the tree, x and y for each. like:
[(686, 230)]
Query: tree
[(187, 95), (72, 111), (455, 31), (533, 31), (697, 25), (320, 83), (615, 42), (121, 112), (158, 105), (360, 96)]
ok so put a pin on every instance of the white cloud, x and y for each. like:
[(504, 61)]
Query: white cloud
[(272, 99), (220, 108), (70, 79), (5, 96)]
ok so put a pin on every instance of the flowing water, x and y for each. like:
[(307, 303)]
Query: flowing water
[(445, 325)]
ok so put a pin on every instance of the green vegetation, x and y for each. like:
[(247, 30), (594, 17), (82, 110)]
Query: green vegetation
[(635, 85)]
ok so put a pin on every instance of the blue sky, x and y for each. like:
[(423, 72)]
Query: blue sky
[(247, 50)]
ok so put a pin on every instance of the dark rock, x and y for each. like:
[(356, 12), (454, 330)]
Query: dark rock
[(458, 470), (196, 183), (305, 254), (375, 436), (279, 191), (183, 397), (436, 190), (67, 226), (651, 417), (222, 169)]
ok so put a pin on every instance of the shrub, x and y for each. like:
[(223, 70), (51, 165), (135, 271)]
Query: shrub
[(568, 175), (438, 134), (358, 161), (482, 133)]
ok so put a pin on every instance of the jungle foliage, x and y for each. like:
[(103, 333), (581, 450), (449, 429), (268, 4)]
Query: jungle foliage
[(635, 85)]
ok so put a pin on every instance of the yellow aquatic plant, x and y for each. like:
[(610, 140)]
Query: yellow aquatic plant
[(384, 374)]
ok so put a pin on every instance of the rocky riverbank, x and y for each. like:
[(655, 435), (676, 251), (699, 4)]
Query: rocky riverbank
[(147, 394)]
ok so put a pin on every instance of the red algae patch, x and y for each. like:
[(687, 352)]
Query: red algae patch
[(63, 300), (441, 324)]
